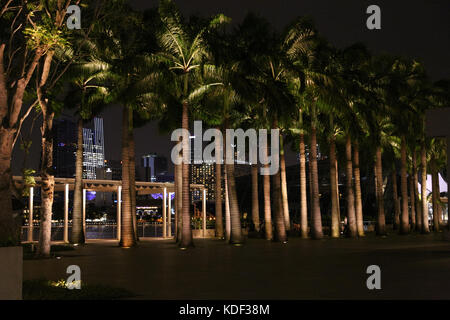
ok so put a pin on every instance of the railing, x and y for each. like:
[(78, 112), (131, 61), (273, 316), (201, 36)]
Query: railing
[(99, 231)]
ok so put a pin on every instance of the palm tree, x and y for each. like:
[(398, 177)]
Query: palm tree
[(184, 52), (134, 77), (88, 96)]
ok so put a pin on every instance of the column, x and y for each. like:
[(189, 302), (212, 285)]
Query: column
[(119, 211), (204, 213), (30, 217), (164, 207), (169, 229), (84, 213), (66, 213)]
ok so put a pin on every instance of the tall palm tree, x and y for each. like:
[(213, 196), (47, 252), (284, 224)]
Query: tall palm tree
[(184, 51), (89, 96)]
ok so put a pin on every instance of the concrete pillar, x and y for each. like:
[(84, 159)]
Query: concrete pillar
[(169, 227), (119, 211), (66, 213), (30, 217), (84, 212), (164, 213), (204, 212)]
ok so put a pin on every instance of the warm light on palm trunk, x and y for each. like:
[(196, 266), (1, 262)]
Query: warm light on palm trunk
[(317, 232), (303, 193), (381, 220), (284, 192), (437, 210), (127, 231), (358, 194), (267, 206), (404, 223), (412, 201), (351, 215), (186, 238), (334, 190), (418, 205), (423, 170), (179, 201), (255, 198), (77, 215), (133, 180), (218, 192), (395, 199)]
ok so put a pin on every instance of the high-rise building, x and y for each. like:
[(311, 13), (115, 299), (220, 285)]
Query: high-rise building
[(203, 173), (153, 167), (65, 147), (93, 149)]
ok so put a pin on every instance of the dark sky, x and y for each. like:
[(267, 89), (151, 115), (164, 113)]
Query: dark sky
[(418, 29)]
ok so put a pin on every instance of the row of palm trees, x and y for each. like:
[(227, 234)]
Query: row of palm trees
[(160, 66)]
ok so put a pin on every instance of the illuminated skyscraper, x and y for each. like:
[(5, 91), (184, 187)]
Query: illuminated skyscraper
[(93, 149), (65, 147), (153, 167)]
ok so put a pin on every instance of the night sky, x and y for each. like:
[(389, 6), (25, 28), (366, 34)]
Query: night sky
[(417, 29)]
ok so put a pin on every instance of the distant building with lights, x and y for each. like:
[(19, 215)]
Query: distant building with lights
[(93, 149), (65, 147), (154, 168)]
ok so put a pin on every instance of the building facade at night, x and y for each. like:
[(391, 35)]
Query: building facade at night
[(65, 147), (153, 168)]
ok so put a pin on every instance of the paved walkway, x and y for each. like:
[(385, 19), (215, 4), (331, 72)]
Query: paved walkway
[(413, 267)]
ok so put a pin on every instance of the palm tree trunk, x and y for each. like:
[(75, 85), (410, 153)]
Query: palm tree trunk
[(255, 197), (317, 232), (267, 205), (47, 184), (186, 238), (418, 205), (412, 202), (423, 165), (132, 155), (179, 201), (77, 216), (236, 229), (436, 195), (127, 231), (358, 194), (280, 218), (218, 192), (334, 191), (227, 208), (395, 199), (404, 226), (351, 215), (303, 193), (381, 220), (284, 192)]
